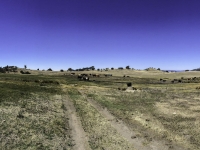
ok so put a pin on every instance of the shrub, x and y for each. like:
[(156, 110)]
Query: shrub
[(129, 84), (61, 70), (2, 70), (22, 72), (49, 69)]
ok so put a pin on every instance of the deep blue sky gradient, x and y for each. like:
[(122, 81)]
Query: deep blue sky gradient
[(60, 34)]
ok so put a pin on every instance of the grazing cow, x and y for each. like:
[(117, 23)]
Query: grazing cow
[(72, 73), (119, 88), (180, 81), (172, 81), (80, 76), (164, 80), (107, 75), (161, 79), (85, 78), (127, 76)]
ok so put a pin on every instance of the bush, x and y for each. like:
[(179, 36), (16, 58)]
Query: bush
[(27, 72), (22, 72), (49, 69), (2, 70), (127, 67), (70, 69), (61, 70), (129, 84)]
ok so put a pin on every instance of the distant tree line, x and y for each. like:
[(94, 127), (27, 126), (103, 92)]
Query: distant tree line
[(82, 69), (8, 69), (198, 69)]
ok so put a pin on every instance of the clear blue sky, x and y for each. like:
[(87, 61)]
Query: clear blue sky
[(60, 34)]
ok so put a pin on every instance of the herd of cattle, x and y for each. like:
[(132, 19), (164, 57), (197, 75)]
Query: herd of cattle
[(182, 80), (86, 77)]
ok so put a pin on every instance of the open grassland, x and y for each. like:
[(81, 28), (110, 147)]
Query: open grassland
[(170, 114), (34, 115)]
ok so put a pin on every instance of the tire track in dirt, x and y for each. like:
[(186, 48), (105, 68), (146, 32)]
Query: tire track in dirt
[(129, 134), (78, 134)]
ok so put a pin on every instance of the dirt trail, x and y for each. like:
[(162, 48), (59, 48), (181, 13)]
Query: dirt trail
[(78, 134), (129, 134)]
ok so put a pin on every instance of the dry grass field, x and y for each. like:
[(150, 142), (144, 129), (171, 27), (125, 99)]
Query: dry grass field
[(50, 110)]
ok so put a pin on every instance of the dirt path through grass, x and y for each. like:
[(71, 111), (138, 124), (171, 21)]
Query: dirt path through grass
[(130, 135), (78, 134)]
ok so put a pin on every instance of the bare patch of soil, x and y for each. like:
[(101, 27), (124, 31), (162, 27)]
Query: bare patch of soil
[(78, 134)]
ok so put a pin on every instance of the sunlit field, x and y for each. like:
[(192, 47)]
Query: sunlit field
[(34, 110)]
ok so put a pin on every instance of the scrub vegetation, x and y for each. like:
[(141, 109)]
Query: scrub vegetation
[(34, 112)]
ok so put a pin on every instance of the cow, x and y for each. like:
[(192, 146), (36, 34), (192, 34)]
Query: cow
[(107, 75), (72, 73), (85, 78), (80, 76), (180, 81), (194, 78)]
